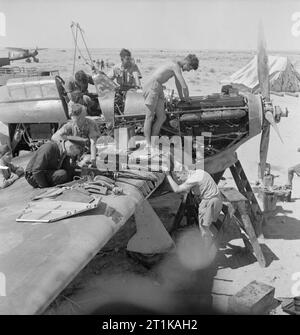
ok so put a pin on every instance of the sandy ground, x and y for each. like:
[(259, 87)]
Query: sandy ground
[(281, 243), (113, 277)]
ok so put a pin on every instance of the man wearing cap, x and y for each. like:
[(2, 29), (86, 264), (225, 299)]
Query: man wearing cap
[(80, 126), (9, 173), (77, 89), (127, 73), (50, 164)]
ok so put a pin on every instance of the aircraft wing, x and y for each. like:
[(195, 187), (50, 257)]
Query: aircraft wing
[(18, 49)]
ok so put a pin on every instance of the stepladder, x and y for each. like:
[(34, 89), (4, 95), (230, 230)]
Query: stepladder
[(241, 213), (244, 187), (252, 206), (245, 204)]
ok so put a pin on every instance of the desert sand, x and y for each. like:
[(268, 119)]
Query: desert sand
[(113, 275)]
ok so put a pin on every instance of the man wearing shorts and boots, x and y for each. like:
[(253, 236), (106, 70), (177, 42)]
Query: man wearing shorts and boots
[(154, 95)]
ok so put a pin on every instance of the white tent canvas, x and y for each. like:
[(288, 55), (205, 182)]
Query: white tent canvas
[(282, 74)]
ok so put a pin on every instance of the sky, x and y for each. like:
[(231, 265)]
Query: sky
[(158, 24)]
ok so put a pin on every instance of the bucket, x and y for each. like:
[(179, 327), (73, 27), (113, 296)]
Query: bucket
[(269, 201)]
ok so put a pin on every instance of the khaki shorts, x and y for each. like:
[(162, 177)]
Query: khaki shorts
[(154, 96), (209, 211)]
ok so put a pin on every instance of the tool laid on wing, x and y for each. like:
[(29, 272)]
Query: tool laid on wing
[(101, 185), (108, 183), (97, 189)]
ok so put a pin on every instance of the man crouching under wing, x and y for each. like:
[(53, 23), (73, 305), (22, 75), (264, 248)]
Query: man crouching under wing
[(154, 95), (207, 193)]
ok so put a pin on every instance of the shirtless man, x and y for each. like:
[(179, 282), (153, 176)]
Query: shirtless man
[(154, 95)]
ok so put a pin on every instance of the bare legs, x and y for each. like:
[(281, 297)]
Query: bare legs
[(160, 118), (290, 177), (148, 127), (291, 171), (153, 128)]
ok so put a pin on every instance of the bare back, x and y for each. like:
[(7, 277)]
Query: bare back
[(165, 72)]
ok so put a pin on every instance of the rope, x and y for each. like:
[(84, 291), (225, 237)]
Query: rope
[(78, 48), (87, 50), (75, 50)]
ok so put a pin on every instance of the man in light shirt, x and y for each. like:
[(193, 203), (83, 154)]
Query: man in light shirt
[(126, 74), (79, 125), (207, 193)]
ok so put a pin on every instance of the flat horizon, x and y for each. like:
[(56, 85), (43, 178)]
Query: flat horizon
[(163, 49)]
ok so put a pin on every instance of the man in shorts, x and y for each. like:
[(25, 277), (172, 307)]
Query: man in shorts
[(154, 95), (207, 193)]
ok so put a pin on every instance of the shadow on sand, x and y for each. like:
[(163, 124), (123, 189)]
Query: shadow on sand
[(281, 226)]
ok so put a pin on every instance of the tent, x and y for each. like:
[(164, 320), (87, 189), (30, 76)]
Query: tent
[(282, 74)]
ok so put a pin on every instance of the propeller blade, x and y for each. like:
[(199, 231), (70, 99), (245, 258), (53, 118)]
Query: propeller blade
[(264, 146), (270, 118), (262, 64)]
